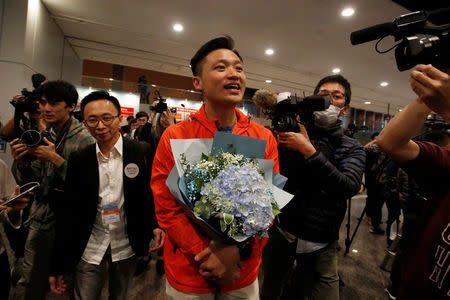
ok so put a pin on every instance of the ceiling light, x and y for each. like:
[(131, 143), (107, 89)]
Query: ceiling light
[(269, 51), (347, 12), (178, 27), (354, 251), (336, 70), (384, 83), (400, 109), (268, 81), (367, 102), (153, 85), (111, 79)]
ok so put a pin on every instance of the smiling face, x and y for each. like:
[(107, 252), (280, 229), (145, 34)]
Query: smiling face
[(222, 79), (97, 110)]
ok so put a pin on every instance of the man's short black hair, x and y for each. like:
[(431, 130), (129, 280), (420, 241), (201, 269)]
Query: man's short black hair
[(99, 95), (130, 118), (338, 79), (58, 91), (142, 114), (223, 42)]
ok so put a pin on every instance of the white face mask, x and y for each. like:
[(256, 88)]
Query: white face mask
[(327, 118)]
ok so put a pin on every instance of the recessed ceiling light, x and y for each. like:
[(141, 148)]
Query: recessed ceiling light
[(269, 51), (111, 79), (354, 250), (268, 81), (347, 12), (367, 102), (384, 83), (336, 70), (400, 109), (178, 27)]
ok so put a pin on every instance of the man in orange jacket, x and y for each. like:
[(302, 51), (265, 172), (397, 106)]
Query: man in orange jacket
[(197, 267)]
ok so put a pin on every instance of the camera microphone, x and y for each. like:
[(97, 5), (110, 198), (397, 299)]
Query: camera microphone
[(372, 33), (266, 99)]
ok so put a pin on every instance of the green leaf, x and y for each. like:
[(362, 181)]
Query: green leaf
[(227, 218), (205, 157), (276, 211), (223, 226)]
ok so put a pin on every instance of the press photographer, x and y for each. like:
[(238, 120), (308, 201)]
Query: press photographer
[(324, 168), (57, 100), (425, 268)]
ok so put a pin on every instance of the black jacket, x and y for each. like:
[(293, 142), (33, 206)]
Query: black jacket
[(77, 211), (321, 184)]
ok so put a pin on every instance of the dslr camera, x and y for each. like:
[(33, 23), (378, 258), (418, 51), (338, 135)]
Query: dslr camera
[(284, 117), (33, 138), (424, 38)]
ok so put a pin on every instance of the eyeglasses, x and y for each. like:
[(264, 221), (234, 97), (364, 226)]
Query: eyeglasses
[(106, 120), (335, 95)]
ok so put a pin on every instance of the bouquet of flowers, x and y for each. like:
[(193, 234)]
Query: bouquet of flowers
[(230, 195)]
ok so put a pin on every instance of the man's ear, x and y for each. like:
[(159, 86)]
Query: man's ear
[(345, 110), (197, 82), (72, 107)]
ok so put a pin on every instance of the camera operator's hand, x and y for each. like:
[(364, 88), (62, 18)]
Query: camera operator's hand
[(433, 88), (47, 153), (297, 141), (18, 150)]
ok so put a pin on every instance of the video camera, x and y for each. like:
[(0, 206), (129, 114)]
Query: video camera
[(29, 102), (284, 113), (161, 106), (424, 38), (284, 118)]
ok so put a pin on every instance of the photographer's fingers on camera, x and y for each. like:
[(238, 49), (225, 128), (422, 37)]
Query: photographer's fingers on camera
[(18, 149)]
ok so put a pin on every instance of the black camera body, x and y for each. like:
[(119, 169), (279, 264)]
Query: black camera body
[(425, 38), (161, 106), (284, 117), (29, 102), (33, 138)]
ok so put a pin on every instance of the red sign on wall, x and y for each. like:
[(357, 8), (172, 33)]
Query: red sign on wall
[(184, 113), (127, 111)]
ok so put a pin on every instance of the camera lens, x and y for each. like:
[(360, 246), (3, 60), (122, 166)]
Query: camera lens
[(31, 138)]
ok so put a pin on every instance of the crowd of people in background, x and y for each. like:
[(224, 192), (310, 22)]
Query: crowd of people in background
[(103, 204)]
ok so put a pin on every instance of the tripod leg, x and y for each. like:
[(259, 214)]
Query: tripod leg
[(347, 239), (357, 225)]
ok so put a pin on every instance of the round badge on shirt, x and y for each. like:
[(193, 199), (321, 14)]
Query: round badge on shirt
[(131, 170)]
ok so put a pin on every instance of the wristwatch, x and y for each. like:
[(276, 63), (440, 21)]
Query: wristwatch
[(245, 250)]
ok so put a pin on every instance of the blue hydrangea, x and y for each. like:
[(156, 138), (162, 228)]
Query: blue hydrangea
[(242, 192)]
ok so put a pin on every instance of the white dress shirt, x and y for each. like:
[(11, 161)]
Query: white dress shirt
[(110, 191)]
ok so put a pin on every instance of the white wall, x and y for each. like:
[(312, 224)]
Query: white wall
[(31, 42)]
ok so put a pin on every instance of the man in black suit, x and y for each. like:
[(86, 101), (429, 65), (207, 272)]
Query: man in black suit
[(107, 218)]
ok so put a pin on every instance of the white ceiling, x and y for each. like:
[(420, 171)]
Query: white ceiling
[(309, 37)]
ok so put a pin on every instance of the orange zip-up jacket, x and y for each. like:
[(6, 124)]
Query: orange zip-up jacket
[(183, 241)]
